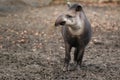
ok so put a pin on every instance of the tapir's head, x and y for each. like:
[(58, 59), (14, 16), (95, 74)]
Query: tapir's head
[(70, 17)]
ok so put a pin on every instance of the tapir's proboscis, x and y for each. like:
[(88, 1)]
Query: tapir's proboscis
[(76, 31)]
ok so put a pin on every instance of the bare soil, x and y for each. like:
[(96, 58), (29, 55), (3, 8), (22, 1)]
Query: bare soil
[(31, 48)]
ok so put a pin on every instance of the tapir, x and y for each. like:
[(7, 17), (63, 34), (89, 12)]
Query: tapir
[(76, 32)]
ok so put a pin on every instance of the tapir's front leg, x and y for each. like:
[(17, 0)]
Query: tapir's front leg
[(67, 56)]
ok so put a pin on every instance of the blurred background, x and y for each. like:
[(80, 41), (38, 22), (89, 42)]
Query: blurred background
[(13, 4), (31, 48)]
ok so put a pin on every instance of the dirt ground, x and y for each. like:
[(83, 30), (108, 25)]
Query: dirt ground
[(31, 48)]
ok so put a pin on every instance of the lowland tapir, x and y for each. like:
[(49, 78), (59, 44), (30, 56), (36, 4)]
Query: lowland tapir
[(76, 31)]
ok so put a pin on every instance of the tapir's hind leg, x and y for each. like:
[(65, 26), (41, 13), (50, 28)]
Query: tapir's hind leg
[(75, 59), (67, 56), (78, 56)]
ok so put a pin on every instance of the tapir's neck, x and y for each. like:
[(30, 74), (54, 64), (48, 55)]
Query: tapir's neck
[(78, 28)]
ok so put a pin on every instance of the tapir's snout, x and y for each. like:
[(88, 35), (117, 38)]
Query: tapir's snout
[(60, 21)]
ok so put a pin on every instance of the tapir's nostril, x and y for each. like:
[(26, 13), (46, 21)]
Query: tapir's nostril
[(62, 23)]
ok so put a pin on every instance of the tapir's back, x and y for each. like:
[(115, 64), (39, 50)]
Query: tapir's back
[(87, 31)]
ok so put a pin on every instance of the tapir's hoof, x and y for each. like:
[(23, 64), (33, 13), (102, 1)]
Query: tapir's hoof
[(65, 68), (78, 68), (75, 66)]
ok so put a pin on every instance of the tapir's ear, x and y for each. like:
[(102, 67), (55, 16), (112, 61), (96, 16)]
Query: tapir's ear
[(79, 8), (69, 4), (76, 7)]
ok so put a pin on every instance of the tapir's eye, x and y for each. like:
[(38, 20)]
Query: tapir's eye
[(68, 16)]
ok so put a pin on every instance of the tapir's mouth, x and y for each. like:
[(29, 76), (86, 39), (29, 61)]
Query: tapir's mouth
[(62, 23)]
